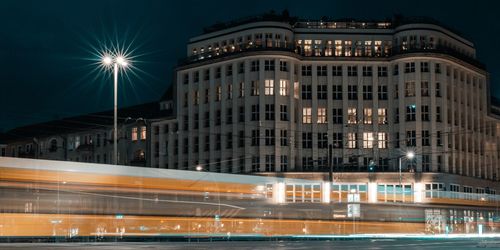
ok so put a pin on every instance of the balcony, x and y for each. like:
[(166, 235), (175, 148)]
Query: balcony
[(319, 53)]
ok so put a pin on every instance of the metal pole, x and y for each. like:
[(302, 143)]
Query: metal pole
[(330, 161), (115, 135), (400, 177)]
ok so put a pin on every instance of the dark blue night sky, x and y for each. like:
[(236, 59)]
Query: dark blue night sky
[(45, 71)]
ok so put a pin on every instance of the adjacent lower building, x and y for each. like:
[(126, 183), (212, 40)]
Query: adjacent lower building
[(87, 138)]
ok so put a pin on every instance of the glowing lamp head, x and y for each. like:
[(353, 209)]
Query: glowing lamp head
[(410, 155), (120, 60), (199, 168), (107, 60)]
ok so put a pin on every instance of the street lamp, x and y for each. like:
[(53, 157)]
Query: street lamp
[(115, 61), (409, 155), (199, 168)]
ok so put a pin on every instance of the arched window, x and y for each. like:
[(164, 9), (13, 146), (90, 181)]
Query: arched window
[(53, 145)]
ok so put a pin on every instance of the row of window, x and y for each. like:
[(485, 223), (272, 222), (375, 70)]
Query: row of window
[(268, 137), (337, 116), (307, 91), (343, 48), (307, 70)]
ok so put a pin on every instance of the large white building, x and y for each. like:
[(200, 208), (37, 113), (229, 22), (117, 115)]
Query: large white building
[(272, 94)]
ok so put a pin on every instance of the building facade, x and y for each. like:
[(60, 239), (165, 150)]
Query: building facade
[(87, 138), (274, 95)]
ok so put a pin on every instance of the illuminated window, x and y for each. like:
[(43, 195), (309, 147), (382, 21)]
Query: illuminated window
[(382, 140), (352, 117), (255, 88), (296, 90), (367, 116), (307, 47), (317, 47), (351, 140), (242, 89), (410, 89), (269, 87), (322, 115), (378, 48), (306, 115), (134, 134), (368, 140), (143, 133), (328, 48), (338, 47), (358, 50), (368, 48), (348, 48), (382, 116), (284, 87), (218, 95)]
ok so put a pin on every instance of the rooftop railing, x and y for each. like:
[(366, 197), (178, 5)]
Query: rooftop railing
[(262, 45)]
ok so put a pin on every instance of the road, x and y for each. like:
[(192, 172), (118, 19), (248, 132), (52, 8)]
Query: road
[(392, 244)]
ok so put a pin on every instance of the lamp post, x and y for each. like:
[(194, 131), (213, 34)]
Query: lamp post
[(115, 62), (409, 155)]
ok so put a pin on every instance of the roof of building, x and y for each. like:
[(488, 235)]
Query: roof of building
[(285, 17), (80, 123)]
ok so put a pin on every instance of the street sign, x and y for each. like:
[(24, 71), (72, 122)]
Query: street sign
[(353, 210)]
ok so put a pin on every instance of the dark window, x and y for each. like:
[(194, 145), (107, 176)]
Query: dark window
[(367, 71), (337, 116), (337, 92), (306, 70), (322, 92), (306, 140), (337, 70), (306, 92), (352, 92), (367, 92), (382, 71)]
